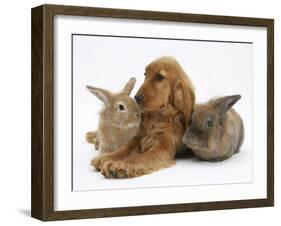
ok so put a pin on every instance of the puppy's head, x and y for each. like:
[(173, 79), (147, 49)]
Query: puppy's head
[(166, 83)]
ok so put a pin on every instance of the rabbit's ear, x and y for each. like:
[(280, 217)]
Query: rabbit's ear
[(223, 104), (129, 86), (102, 94)]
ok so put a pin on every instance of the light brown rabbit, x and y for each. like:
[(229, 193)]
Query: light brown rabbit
[(119, 120), (216, 130)]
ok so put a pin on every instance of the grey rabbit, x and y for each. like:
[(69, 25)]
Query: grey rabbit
[(216, 130)]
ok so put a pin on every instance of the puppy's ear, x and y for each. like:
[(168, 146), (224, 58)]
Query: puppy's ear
[(184, 99), (223, 104), (104, 95), (129, 86)]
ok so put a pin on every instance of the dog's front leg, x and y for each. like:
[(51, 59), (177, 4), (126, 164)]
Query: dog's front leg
[(157, 157), (120, 154)]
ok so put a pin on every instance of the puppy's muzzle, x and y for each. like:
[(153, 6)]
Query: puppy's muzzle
[(139, 98)]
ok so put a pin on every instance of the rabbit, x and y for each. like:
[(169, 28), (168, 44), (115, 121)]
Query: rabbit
[(216, 130), (92, 137), (119, 120)]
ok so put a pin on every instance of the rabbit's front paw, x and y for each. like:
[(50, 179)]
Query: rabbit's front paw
[(92, 138), (99, 161)]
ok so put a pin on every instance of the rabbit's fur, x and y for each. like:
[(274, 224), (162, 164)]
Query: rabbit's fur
[(216, 130), (119, 119)]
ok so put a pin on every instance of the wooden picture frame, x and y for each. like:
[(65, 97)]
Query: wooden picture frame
[(42, 203)]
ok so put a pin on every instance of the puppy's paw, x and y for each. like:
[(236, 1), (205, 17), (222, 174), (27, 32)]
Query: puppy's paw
[(115, 169), (121, 169), (99, 161)]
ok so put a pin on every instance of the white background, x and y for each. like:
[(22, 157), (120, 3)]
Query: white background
[(208, 64), (15, 112)]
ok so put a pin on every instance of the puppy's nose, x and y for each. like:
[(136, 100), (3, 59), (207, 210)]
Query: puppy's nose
[(139, 98)]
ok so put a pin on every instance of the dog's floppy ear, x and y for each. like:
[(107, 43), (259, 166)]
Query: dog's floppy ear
[(184, 99), (129, 86)]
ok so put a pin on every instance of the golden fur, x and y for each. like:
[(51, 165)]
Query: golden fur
[(168, 100)]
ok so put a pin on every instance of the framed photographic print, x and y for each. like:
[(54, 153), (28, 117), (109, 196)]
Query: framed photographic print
[(141, 112)]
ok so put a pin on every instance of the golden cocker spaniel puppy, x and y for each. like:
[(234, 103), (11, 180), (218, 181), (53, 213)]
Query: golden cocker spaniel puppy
[(167, 99)]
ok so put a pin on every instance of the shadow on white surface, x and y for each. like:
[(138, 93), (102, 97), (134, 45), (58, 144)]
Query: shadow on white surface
[(25, 212)]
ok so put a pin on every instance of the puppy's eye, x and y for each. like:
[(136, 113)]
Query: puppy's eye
[(209, 123), (121, 107), (159, 77)]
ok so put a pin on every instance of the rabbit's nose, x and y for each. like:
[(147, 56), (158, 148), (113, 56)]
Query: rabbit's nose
[(139, 98)]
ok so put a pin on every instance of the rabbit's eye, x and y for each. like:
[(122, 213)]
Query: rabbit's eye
[(121, 107), (209, 123), (159, 77)]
